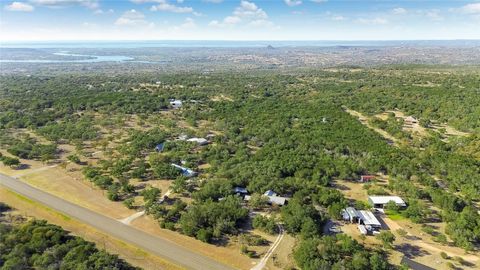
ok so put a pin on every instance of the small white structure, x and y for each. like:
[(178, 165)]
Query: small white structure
[(381, 201), (182, 137), (270, 193), (199, 141), (368, 219), (176, 104), (411, 120), (272, 199), (277, 200), (240, 190), (185, 171), (350, 214), (362, 229)]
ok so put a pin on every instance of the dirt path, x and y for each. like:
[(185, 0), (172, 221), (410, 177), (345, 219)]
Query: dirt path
[(131, 218), (364, 120), (41, 169), (393, 225), (261, 264)]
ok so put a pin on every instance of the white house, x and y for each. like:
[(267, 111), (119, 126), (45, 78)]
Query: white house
[(185, 171), (272, 198), (199, 141), (176, 104)]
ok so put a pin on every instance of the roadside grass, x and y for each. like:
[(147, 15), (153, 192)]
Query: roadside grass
[(32, 202), (134, 255)]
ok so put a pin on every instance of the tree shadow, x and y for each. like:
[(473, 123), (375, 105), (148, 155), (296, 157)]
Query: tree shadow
[(412, 237), (23, 166), (410, 251), (340, 186)]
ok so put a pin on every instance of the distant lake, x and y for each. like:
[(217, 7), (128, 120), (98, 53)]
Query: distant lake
[(83, 59)]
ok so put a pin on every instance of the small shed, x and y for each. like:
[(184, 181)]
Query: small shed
[(411, 120), (366, 178), (362, 229), (199, 141), (176, 104), (185, 171), (270, 193), (240, 190), (277, 200)]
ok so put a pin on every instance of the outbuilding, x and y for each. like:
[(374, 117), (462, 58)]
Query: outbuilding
[(381, 201), (350, 214), (368, 219), (185, 171), (240, 190), (176, 104), (199, 141), (270, 193), (366, 178)]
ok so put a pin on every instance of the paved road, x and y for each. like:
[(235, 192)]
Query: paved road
[(158, 246)]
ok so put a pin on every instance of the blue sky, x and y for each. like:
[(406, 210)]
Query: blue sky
[(238, 19)]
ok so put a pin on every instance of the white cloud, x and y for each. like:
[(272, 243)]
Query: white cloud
[(433, 15), (19, 6), (101, 11), (473, 8), (338, 18), (89, 25), (292, 3), (131, 18), (374, 21), (189, 23), (165, 6), (399, 11), (248, 13), (91, 4)]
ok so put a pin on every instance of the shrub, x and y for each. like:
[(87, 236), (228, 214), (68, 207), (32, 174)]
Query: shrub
[(444, 255), (204, 235)]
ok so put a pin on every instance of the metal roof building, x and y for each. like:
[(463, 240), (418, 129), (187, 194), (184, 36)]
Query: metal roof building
[(185, 171), (381, 201), (367, 218), (350, 214), (199, 141)]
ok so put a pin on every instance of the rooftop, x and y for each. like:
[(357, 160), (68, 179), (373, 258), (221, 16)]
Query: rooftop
[(369, 218), (386, 199), (270, 193), (200, 141), (351, 211)]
